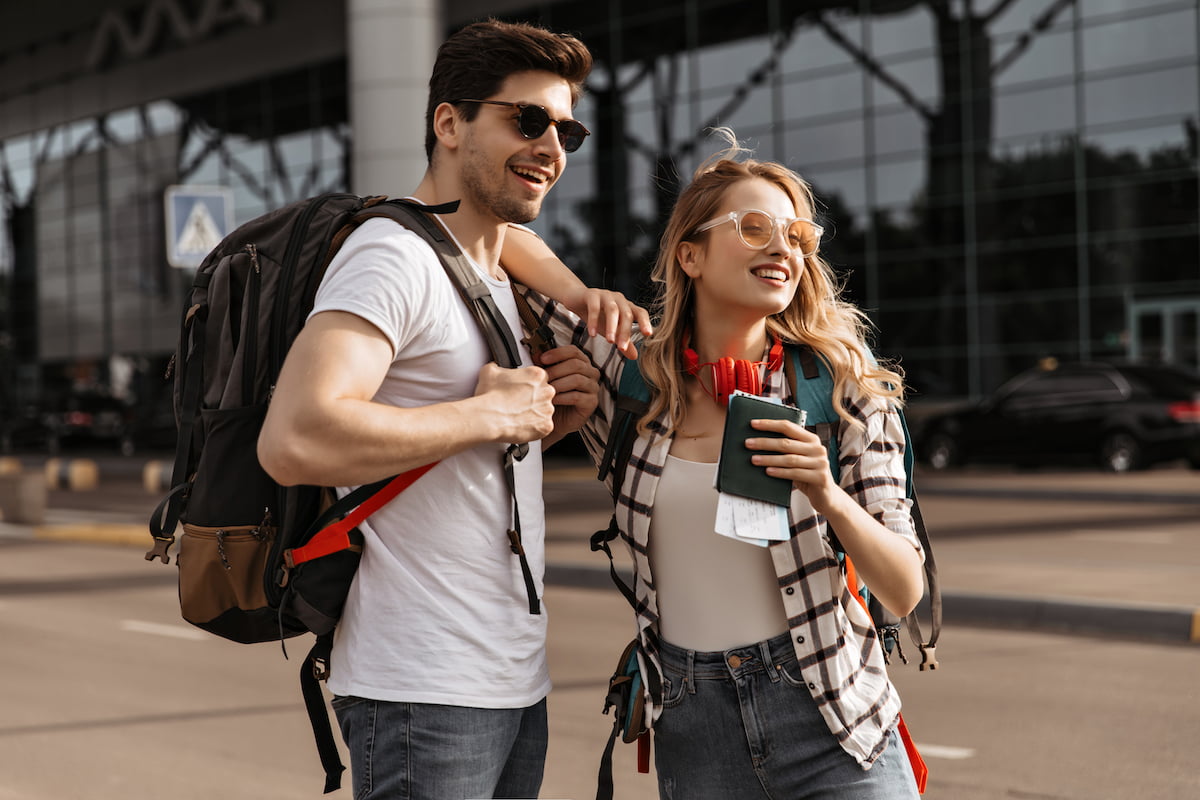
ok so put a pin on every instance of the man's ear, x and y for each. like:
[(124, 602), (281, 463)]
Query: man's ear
[(447, 126), (688, 256)]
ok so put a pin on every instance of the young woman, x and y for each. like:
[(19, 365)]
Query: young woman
[(773, 681)]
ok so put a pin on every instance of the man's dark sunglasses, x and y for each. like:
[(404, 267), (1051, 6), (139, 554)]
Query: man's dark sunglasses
[(532, 122)]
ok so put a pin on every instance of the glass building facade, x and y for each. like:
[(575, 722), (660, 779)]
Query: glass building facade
[(93, 305), (1003, 181)]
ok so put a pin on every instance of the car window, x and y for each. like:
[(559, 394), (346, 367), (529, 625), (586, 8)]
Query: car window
[(1036, 385), (1166, 381), (1067, 385), (1093, 385)]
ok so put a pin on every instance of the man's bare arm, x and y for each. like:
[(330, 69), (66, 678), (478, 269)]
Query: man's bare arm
[(531, 261), (324, 428)]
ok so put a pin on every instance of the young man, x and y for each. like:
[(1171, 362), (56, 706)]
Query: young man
[(439, 668)]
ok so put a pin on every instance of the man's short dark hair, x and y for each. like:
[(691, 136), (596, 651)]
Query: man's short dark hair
[(476, 60)]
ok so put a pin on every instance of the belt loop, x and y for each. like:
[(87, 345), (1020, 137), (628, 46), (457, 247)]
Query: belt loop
[(690, 675), (769, 665)]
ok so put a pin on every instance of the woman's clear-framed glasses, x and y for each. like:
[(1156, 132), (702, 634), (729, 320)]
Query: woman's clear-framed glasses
[(532, 122), (755, 228)]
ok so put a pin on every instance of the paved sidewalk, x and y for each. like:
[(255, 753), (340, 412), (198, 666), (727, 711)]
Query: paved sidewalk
[(1076, 551)]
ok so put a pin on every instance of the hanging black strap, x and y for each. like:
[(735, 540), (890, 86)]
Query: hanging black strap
[(600, 542), (928, 647), (604, 780), (314, 670), (514, 533)]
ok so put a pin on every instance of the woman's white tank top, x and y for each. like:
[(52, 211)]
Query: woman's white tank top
[(713, 593)]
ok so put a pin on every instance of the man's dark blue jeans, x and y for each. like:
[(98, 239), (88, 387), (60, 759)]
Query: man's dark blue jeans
[(416, 751)]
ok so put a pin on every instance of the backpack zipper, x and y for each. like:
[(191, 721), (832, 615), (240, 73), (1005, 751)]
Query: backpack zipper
[(250, 336)]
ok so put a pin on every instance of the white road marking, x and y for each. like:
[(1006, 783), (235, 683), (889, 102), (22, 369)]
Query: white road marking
[(158, 629), (1127, 537), (942, 751)]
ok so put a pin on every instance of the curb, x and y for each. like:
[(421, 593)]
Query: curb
[(1137, 621), (1062, 495), (95, 533), (1163, 623)]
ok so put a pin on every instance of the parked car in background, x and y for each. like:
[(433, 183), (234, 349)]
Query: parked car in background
[(1121, 416), (90, 419)]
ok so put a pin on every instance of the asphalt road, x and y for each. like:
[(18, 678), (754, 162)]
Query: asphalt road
[(106, 694)]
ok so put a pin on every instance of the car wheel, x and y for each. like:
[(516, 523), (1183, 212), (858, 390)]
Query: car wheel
[(941, 452), (1120, 452)]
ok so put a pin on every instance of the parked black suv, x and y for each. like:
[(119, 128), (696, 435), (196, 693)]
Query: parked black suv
[(1124, 416)]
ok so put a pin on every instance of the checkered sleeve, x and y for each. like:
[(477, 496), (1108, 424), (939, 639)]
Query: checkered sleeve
[(872, 466)]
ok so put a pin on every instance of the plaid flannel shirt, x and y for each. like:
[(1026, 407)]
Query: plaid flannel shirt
[(835, 641)]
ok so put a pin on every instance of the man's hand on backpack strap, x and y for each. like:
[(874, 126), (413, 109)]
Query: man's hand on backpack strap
[(520, 405)]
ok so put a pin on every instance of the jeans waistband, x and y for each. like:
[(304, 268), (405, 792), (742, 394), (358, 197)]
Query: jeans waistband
[(732, 663)]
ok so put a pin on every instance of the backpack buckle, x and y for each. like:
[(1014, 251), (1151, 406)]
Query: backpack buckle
[(928, 657), (539, 340), (514, 543), (161, 545)]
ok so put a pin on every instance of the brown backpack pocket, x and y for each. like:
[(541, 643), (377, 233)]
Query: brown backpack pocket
[(221, 576)]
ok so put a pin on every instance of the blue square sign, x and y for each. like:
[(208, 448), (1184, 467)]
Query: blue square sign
[(198, 218)]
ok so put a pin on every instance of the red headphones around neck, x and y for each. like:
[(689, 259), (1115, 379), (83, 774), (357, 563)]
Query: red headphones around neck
[(732, 374)]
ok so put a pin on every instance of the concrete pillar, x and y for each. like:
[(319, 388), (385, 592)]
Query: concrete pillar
[(22, 498), (390, 50)]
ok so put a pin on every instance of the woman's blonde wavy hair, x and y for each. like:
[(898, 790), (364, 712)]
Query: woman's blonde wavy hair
[(817, 316)]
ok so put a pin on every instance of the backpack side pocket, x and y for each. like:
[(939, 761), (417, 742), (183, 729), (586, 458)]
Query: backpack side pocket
[(221, 580)]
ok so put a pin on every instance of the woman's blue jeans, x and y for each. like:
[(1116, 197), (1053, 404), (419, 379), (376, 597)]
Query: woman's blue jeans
[(742, 724), (417, 751)]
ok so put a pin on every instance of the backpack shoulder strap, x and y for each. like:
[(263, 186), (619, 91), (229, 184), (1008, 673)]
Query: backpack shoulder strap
[(814, 394), (632, 402), (475, 293)]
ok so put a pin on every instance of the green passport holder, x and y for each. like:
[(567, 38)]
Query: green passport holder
[(735, 473)]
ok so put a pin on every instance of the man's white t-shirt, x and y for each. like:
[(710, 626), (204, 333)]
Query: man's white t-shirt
[(438, 611)]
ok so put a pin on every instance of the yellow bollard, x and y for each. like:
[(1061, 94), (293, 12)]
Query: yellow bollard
[(156, 476), (76, 474)]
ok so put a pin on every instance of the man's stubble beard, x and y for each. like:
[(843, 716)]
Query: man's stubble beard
[(492, 199)]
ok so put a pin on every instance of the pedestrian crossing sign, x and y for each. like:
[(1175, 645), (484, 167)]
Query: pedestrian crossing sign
[(198, 217)]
